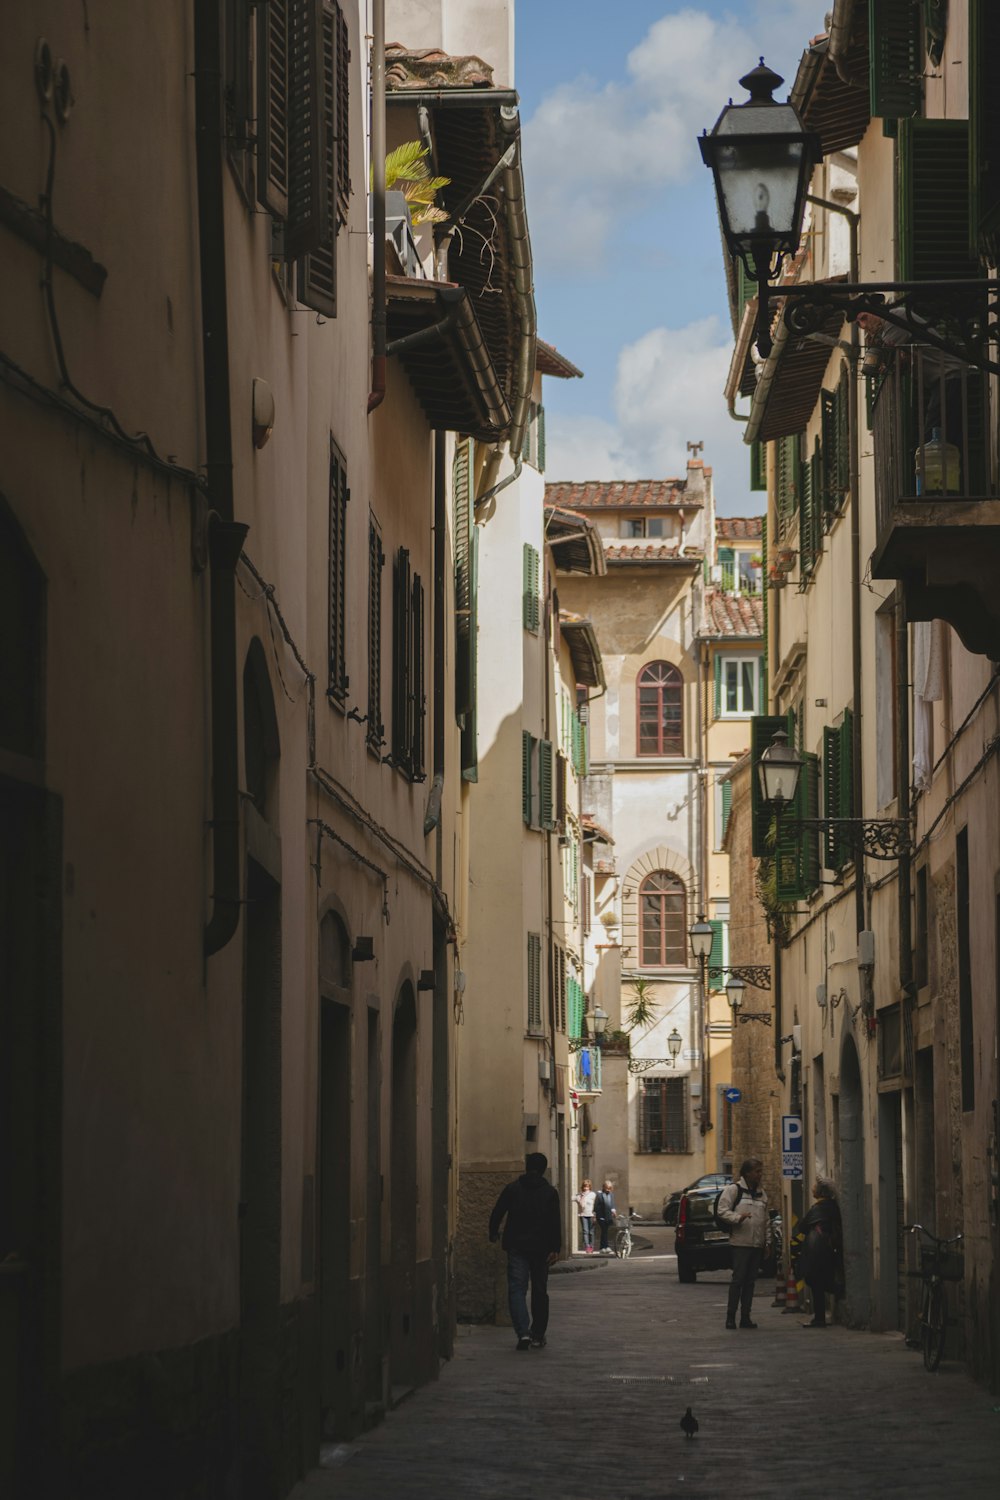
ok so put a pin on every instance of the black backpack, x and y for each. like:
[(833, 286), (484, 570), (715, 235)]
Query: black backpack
[(723, 1224)]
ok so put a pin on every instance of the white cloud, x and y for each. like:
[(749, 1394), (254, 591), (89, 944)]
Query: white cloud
[(668, 392), (592, 150)]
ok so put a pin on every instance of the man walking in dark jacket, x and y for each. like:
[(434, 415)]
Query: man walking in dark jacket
[(532, 1238)]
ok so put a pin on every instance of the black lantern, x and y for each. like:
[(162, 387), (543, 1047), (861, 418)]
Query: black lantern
[(674, 1043), (702, 936), (761, 160), (779, 768)]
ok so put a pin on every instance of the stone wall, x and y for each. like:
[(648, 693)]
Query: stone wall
[(481, 1287)]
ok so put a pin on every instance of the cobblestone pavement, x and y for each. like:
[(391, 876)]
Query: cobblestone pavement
[(597, 1411)]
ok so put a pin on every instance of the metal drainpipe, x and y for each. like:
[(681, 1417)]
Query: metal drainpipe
[(432, 817), (377, 393), (226, 536), (907, 992)]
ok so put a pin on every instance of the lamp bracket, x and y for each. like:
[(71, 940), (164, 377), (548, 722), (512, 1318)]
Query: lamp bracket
[(969, 310), (643, 1064), (577, 1043), (879, 838), (758, 976), (754, 1015)]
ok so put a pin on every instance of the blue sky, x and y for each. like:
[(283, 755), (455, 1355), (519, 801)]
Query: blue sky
[(628, 264)]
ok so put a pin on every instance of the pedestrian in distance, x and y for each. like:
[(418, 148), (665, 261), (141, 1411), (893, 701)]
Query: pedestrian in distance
[(742, 1207), (532, 1238), (817, 1250), (585, 1212), (605, 1214)]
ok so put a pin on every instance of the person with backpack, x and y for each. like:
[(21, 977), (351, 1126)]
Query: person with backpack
[(741, 1208), (605, 1214), (532, 1238)]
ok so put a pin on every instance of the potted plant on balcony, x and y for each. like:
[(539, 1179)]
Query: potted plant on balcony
[(776, 577)]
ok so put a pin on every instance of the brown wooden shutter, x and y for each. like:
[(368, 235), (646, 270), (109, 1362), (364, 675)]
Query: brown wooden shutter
[(343, 117), (418, 712), (402, 728), (376, 558), (339, 496), (932, 217), (895, 63), (272, 105), (308, 199), (317, 271)]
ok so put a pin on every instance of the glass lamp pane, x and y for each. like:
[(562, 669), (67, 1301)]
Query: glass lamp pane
[(759, 181)]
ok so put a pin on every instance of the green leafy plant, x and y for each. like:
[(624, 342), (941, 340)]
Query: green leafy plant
[(641, 1008), (406, 169), (776, 911)]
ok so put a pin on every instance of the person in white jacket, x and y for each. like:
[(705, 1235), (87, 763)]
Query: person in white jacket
[(585, 1210), (743, 1207)]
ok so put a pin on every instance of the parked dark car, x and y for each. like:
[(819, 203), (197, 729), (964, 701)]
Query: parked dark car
[(671, 1202), (701, 1246)]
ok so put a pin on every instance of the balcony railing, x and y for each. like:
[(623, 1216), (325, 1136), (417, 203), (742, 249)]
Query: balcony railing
[(936, 511), (929, 428), (585, 1070)]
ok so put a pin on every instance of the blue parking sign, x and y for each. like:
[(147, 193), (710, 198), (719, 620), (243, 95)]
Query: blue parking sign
[(792, 1144)]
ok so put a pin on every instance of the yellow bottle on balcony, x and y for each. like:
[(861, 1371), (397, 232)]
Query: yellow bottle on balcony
[(938, 467)]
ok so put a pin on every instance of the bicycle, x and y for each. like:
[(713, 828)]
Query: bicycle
[(938, 1263), (623, 1237)]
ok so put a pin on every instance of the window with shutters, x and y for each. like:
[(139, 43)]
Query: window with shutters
[(763, 728), (835, 478), (561, 776), (238, 89), (723, 806), (659, 710), (758, 465), (317, 270), (895, 63), (293, 147), (546, 808), (529, 811), (932, 209), (557, 984), (375, 730), (408, 705), (787, 482), (533, 444), (530, 612), (663, 1115), (586, 903), (538, 766), (534, 983), (737, 686), (838, 788), (663, 936), (810, 521), (337, 681), (796, 852), (984, 128)]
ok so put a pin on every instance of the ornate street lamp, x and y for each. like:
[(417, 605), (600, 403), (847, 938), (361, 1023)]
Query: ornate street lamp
[(674, 1044), (595, 1021), (761, 159), (735, 990), (778, 771), (702, 935)]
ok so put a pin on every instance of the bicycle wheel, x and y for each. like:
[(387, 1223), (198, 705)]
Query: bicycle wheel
[(932, 1327), (623, 1244)]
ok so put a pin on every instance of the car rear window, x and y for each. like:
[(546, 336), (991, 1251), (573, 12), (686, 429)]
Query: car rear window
[(700, 1207)]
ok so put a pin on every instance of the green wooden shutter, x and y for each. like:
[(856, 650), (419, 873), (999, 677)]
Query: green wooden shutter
[(984, 128), (402, 621), (831, 795), (788, 481), (765, 590), (829, 410), (418, 709), (932, 209), (894, 61), (541, 440), (470, 732), (374, 730), (763, 728), (725, 558), (846, 792), (308, 198), (758, 465), (534, 982), (530, 613), (727, 803), (717, 672), (463, 528), (545, 784), (797, 851), (272, 107), (317, 271), (339, 494), (526, 758), (715, 957), (843, 434)]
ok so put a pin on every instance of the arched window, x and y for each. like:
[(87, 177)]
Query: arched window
[(261, 746), (660, 710), (662, 921)]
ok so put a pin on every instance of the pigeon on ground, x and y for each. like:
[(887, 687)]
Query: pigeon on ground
[(689, 1422)]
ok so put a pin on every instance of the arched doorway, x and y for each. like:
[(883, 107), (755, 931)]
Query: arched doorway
[(856, 1309), (403, 1190), (335, 1185)]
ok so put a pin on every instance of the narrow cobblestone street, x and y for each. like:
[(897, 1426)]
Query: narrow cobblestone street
[(597, 1411)]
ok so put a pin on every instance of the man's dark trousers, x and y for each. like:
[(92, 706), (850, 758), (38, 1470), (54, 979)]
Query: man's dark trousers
[(520, 1270), (746, 1264)]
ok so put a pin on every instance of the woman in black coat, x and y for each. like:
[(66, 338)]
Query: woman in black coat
[(817, 1250)]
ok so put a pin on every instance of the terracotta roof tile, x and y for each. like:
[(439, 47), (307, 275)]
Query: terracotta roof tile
[(651, 552), (733, 615), (548, 361), (738, 528), (430, 68), (619, 494)]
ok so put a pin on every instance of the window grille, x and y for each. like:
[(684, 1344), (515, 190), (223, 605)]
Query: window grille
[(663, 1115)]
